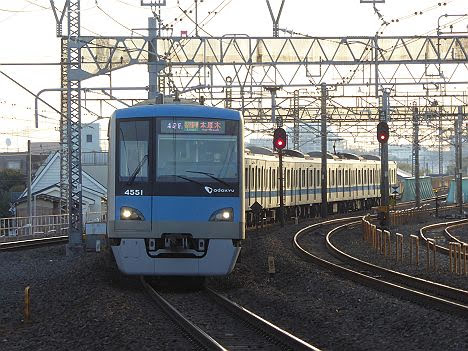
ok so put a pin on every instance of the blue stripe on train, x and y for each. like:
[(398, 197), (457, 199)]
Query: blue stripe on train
[(303, 192)]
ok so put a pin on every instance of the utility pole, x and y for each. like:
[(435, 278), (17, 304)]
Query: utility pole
[(441, 160), (73, 126), (384, 186), (458, 159), (273, 89), (417, 189), (29, 171), (153, 60), (296, 130), (275, 19), (323, 134)]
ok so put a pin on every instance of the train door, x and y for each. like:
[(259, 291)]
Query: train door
[(246, 186), (262, 186), (269, 186)]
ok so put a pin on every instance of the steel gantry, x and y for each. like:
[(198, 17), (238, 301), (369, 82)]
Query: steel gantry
[(235, 71)]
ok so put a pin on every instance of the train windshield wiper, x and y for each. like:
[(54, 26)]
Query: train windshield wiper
[(211, 176), (185, 178), (137, 170)]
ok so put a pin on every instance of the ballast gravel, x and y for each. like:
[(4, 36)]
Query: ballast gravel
[(86, 303), (78, 304), (327, 311)]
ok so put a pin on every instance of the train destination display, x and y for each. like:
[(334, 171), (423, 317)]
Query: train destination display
[(193, 126)]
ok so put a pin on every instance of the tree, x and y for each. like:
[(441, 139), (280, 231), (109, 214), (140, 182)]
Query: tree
[(10, 180)]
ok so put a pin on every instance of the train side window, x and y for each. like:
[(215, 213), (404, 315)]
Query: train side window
[(274, 178), (303, 178), (261, 179), (318, 180), (333, 178), (339, 177), (246, 177), (288, 175)]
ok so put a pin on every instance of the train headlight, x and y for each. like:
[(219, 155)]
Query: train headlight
[(130, 213), (223, 215)]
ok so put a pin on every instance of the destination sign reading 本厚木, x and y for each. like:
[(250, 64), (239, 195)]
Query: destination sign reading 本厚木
[(193, 126)]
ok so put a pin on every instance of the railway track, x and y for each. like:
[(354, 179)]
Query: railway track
[(422, 291), (434, 230), (31, 243), (216, 323)]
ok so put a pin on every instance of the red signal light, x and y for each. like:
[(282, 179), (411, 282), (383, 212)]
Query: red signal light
[(279, 138), (382, 132), (279, 143)]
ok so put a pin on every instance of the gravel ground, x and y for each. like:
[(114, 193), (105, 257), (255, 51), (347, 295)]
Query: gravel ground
[(461, 233), (88, 304), (327, 311), (351, 242), (78, 305)]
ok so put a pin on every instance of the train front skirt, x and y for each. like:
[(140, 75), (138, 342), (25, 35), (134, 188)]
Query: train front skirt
[(132, 258)]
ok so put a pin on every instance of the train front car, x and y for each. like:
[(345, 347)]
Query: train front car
[(175, 201)]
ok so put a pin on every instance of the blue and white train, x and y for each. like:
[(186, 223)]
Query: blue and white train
[(353, 182), (175, 189), (180, 187)]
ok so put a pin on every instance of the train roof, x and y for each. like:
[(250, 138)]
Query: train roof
[(177, 110), (293, 153), (318, 154), (371, 157), (259, 150), (348, 156)]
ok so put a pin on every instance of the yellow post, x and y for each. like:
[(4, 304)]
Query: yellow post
[(465, 246), (450, 256), (26, 304), (399, 246), (387, 243), (374, 233), (379, 234), (430, 244)]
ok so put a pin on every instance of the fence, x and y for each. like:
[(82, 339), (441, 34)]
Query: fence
[(25, 227)]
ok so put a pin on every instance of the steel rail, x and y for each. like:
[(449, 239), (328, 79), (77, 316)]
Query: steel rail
[(452, 237), (378, 284), (439, 248), (200, 336), (434, 288), (30, 243), (267, 327)]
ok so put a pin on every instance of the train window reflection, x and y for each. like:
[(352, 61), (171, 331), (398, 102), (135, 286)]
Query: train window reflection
[(133, 150), (193, 155)]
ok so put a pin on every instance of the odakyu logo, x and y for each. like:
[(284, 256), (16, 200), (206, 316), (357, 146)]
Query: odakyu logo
[(210, 190)]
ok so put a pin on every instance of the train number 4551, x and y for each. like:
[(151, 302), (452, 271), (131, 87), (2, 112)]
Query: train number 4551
[(133, 192)]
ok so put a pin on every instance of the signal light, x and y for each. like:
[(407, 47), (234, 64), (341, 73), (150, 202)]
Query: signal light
[(382, 132), (279, 139)]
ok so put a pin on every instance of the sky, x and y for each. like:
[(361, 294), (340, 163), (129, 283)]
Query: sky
[(29, 36)]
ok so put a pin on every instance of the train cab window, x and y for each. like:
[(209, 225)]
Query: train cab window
[(133, 150)]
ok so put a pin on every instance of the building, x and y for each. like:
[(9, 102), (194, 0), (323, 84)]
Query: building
[(45, 190)]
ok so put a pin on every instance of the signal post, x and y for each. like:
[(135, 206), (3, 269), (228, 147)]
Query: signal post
[(382, 136), (279, 143)]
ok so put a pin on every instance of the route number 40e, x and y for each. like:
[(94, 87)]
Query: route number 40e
[(133, 192)]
